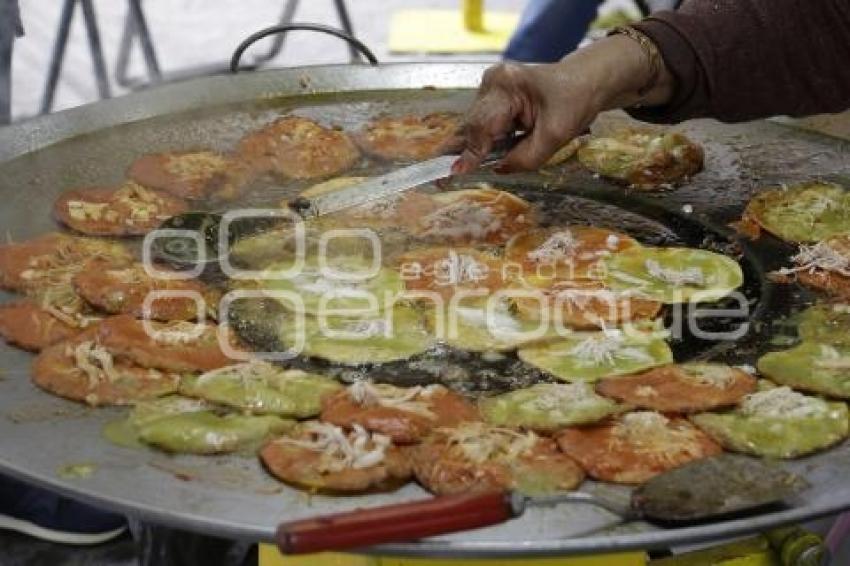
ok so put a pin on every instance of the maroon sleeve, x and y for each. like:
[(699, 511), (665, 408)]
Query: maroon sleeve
[(738, 60)]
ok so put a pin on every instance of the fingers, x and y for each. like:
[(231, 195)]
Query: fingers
[(491, 116), (532, 152), (488, 120)]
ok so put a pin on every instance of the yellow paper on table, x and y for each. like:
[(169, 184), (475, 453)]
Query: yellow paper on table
[(269, 556), (443, 31)]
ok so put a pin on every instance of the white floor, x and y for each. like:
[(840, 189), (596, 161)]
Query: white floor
[(193, 32)]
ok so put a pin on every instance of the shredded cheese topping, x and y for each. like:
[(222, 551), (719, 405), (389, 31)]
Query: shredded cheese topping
[(709, 374), (782, 403), (831, 359), (254, 370), (69, 314), (58, 267), (339, 451), (180, 333), (646, 391), (458, 268), (416, 400), (462, 219), (823, 255), (194, 166), (480, 443), (369, 328), (605, 349), (499, 322), (561, 396), (679, 277), (653, 435), (94, 360), (141, 205), (317, 283), (558, 246), (82, 210)]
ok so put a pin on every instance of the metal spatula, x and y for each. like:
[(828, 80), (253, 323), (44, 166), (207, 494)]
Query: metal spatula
[(395, 182), (704, 489)]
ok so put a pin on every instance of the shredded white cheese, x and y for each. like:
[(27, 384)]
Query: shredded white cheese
[(480, 443), (499, 322), (822, 255), (192, 166), (782, 403), (81, 210), (679, 277), (646, 391), (254, 370), (339, 451), (369, 328), (653, 435), (605, 349), (457, 269), (416, 400), (180, 333), (461, 219), (69, 315), (315, 283), (831, 359), (94, 360), (556, 247), (561, 396), (713, 375)]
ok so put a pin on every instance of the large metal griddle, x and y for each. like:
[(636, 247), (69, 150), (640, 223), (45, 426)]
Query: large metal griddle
[(231, 496)]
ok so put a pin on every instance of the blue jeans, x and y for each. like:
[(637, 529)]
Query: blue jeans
[(549, 29)]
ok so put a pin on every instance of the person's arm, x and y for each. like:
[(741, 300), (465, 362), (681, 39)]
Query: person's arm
[(738, 60), (730, 59), (556, 102)]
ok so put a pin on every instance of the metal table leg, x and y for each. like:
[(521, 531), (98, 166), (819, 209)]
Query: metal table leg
[(122, 61), (277, 44), (6, 79), (287, 17), (136, 26), (60, 47), (8, 23), (93, 33), (58, 55), (345, 22)]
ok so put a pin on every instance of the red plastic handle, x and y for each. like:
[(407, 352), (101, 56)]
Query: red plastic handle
[(394, 523)]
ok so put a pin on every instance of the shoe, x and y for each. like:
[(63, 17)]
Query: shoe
[(42, 514)]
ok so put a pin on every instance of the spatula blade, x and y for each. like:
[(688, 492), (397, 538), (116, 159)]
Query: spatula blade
[(721, 485)]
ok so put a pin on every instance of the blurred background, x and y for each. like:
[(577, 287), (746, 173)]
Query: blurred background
[(188, 34)]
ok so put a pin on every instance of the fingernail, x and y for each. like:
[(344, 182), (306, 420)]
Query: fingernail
[(457, 167)]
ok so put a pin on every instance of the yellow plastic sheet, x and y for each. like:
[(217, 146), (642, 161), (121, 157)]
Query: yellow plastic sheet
[(269, 556), (445, 31)]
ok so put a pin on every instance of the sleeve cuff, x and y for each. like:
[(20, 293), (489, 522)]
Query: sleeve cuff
[(689, 94)]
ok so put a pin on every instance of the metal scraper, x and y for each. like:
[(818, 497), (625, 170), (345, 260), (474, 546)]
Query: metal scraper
[(712, 487), (376, 188), (395, 182)]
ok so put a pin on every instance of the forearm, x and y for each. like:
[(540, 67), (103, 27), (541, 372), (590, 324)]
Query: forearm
[(618, 69), (738, 60)]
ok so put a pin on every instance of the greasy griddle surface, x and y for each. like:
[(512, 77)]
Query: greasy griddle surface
[(232, 495)]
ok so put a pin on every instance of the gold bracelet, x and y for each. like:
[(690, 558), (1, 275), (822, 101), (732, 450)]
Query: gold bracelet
[(649, 49)]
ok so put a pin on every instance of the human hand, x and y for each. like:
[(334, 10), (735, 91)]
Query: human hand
[(554, 103)]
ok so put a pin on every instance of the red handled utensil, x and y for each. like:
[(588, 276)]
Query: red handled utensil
[(707, 488)]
